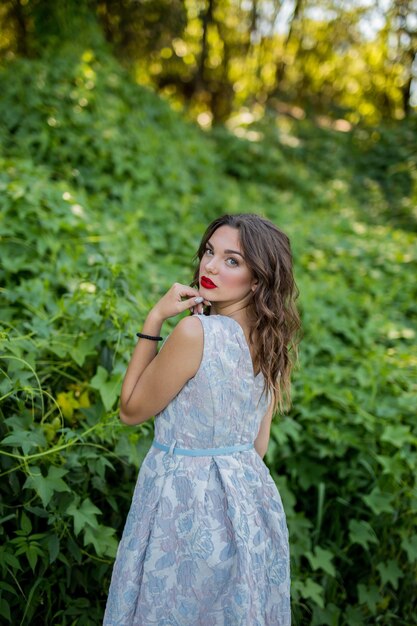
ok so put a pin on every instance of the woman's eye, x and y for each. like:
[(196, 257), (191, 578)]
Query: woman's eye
[(230, 261)]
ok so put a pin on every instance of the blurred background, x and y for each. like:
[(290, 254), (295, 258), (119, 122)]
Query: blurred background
[(125, 128), (353, 59)]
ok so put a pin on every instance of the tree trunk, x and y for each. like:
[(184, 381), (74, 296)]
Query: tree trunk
[(206, 21), (16, 13), (282, 64)]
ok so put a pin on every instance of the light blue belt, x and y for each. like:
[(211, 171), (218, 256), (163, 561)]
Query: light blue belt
[(172, 449)]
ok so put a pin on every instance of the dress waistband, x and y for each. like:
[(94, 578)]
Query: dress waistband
[(172, 449)]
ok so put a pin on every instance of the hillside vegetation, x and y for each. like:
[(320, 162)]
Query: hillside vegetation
[(105, 192)]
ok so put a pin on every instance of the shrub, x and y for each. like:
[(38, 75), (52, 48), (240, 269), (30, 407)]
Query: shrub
[(104, 195)]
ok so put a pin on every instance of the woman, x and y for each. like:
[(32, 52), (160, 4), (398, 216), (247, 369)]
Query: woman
[(206, 541)]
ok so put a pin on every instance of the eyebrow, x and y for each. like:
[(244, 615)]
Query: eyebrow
[(228, 251)]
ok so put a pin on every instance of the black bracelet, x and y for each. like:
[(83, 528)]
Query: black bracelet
[(142, 336)]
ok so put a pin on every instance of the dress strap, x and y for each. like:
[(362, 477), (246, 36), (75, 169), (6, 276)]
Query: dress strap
[(172, 449)]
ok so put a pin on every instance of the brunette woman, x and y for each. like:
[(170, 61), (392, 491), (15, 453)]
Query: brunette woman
[(206, 540)]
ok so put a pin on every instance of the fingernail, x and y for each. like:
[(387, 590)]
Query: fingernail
[(198, 300), (208, 303)]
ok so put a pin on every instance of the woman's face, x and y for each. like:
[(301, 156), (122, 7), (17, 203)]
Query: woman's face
[(224, 276)]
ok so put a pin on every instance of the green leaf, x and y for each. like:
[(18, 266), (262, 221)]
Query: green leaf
[(370, 596), (83, 347), (7, 558), (45, 487), (285, 429), (108, 386), (25, 439), (52, 543), (390, 572), (5, 609), (309, 590), (85, 515), (396, 434), (321, 559), (8, 588), (410, 546), (25, 524), (362, 533), (103, 540), (353, 616), (329, 616), (392, 465), (379, 502), (32, 553)]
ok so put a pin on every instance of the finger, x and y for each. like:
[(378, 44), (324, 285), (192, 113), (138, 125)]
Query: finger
[(185, 291), (188, 304)]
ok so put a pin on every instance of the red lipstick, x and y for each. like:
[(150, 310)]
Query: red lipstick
[(207, 283)]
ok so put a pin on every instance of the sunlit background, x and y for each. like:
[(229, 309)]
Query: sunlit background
[(125, 128)]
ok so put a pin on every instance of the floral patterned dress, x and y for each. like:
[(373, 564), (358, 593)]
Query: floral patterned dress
[(206, 541)]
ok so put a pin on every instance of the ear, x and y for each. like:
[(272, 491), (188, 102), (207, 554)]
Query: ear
[(254, 285)]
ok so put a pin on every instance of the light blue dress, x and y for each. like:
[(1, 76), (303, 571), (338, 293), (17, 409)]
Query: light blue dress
[(206, 541)]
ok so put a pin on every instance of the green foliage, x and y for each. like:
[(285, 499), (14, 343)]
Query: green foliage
[(345, 458), (370, 169), (92, 196), (344, 59), (104, 195)]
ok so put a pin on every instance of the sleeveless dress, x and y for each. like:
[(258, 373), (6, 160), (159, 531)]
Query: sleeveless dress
[(206, 541)]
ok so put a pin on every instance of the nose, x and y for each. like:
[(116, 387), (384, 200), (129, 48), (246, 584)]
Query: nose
[(211, 266)]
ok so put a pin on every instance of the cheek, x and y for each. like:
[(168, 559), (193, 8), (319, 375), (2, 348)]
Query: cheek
[(236, 279)]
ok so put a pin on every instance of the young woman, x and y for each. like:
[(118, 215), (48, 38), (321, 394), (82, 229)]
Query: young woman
[(206, 541)]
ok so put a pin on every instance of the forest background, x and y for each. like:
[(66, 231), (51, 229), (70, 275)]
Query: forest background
[(125, 127)]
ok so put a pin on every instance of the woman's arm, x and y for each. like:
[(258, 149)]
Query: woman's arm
[(165, 375), (262, 439), (152, 380)]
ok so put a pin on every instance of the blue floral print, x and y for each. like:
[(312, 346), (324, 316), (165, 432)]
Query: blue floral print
[(206, 541)]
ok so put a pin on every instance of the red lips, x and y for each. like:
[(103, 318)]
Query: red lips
[(207, 283)]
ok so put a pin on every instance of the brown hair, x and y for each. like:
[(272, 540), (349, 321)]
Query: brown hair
[(273, 318)]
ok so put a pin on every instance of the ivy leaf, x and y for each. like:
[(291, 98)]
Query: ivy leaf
[(308, 589), (85, 515), (378, 501), (390, 572), (362, 533), (103, 540), (396, 434), (369, 596), (353, 615), (107, 385), (321, 559), (329, 616), (314, 591), (25, 439), (45, 486), (83, 347), (392, 465), (410, 546)]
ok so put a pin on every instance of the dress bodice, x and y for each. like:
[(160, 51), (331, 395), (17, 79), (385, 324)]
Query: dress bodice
[(223, 404)]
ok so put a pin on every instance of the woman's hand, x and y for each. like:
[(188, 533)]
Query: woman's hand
[(178, 299)]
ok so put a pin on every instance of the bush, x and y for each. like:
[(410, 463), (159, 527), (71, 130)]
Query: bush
[(104, 195)]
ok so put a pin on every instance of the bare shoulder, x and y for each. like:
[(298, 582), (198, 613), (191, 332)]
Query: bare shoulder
[(184, 345), (189, 328), (186, 337)]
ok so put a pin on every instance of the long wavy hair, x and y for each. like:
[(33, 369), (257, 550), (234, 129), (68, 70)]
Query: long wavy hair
[(274, 322)]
